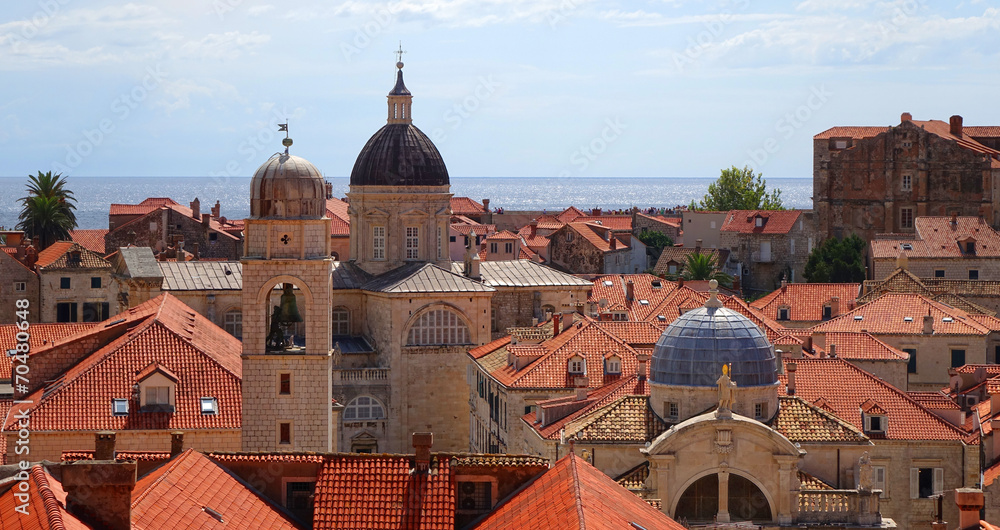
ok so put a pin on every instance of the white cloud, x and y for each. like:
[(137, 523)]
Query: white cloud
[(228, 46), (257, 11), (177, 94)]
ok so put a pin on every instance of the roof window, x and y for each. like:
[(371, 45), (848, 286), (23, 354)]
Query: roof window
[(644, 302), (859, 317), (947, 319), (209, 405), (906, 246), (661, 318), (657, 284), (907, 319), (608, 283), (119, 407)]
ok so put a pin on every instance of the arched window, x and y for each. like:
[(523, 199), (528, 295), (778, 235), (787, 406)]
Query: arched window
[(234, 323), (438, 327), (341, 322), (364, 408)]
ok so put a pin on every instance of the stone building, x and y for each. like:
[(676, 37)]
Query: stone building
[(768, 245), (703, 227), (972, 296), (590, 248), (803, 305), (75, 284), (212, 288), (18, 281), (870, 180), (160, 223), (943, 248)]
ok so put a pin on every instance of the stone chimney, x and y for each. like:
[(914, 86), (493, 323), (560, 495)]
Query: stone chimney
[(533, 227), (567, 319), (697, 246), (595, 212), (194, 251), (784, 283), (969, 501), (104, 445), (100, 492), (555, 324), (196, 209), (206, 220), (176, 443), (790, 370), (643, 359), (630, 290), (422, 443), (955, 125), (680, 281), (486, 204), (928, 323), (329, 190), (906, 116), (834, 306), (217, 209), (833, 350), (474, 267), (613, 240)]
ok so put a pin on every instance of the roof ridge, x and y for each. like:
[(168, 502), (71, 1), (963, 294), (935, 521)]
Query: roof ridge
[(577, 496), (825, 413), (168, 467), (53, 512)]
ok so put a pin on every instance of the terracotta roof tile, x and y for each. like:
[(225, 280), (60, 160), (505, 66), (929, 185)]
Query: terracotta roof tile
[(678, 255), (843, 387), (850, 132), (181, 492), (628, 419), (862, 347), (46, 506), (618, 223), (144, 207), (801, 421), (809, 482), (902, 314), (90, 239), (466, 206), (774, 221), (478, 229), (990, 474), (57, 256), (805, 301), (205, 359), (503, 234), (613, 289), (569, 214), (596, 401), (573, 495), (340, 220), (40, 336), (634, 479), (934, 400), (937, 237), (595, 235)]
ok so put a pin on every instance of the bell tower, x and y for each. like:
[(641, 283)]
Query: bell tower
[(286, 309)]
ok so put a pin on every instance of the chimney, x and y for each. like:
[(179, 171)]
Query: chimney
[(613, 240), (834, 306), (100, 492), (736, 284), (104, 445), (176, 443), (697, 246), (595, 212), (422, 442), (474, 268), (969, 501), (642, 358), (928, 323), (217, 209), (630, 290), (555, 324), (533, 227), (784, 283), (567, 319), (790, 370), (833, 350), (486, 204), (196, 209), (581, 393), (194, 251), (206, 220), (906, 116), (955, 125), (680, 281), (329, 190)]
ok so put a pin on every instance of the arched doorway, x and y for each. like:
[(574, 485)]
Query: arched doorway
[(700, 502)]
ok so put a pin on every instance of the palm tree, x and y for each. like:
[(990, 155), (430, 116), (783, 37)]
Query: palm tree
[(47, 211), (705, 267)]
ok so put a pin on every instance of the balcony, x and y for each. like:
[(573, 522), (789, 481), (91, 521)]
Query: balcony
[(360, 376), (851, 507)]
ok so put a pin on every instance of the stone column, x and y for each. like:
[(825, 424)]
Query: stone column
[(723, 515), (786, 465)]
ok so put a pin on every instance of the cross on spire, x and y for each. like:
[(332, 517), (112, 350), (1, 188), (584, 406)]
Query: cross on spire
[(399, 54)]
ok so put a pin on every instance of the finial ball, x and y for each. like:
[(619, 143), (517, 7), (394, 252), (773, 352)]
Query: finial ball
[(287, 142), (399, 64), (713, 284)]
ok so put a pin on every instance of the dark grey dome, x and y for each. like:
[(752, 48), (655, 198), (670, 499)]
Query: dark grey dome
[(694, 347), (399, 154)]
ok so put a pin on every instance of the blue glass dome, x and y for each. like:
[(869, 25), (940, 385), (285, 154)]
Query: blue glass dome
[(694, 347)]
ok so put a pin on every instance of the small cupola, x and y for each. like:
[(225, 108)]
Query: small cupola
[(400, 99)]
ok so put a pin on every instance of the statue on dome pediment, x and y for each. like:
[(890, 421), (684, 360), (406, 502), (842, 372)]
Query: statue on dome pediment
[(727, 391)]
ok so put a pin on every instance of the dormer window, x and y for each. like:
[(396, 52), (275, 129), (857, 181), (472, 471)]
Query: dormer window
[(758, 221), (875, 423), (576, 365), (613, 365), (906, 246), (157, 388), (783, 313), (827, 312)]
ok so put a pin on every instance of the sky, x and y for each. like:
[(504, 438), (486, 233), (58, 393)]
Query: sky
[(504, 88)]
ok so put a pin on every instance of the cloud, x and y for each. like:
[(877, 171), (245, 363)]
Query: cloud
[(177, 94), (260, 10), (227, 46)]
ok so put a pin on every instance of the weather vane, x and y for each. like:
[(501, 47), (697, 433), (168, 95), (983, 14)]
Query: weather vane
[(399, 55), (287, 142)]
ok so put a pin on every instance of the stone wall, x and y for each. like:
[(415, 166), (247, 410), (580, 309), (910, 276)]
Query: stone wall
[(163, 227), (308, 408), (788, 252), (954, 268), (12, 272), (80, 292), (49, 445)]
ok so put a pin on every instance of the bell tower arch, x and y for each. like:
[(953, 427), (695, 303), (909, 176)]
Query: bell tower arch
[(287, 269)]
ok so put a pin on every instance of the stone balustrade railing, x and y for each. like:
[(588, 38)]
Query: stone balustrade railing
[(360, 375), (839, 506)]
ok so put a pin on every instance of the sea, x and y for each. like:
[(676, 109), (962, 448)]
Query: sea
[(95, 194)]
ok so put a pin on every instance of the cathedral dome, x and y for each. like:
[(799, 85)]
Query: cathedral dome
[(399, 154), (692, 350), (287, 187)]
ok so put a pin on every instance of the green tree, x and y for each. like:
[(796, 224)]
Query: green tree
[(705, 267), (739, 189), (837, 261), (47, 212), (655, 243)]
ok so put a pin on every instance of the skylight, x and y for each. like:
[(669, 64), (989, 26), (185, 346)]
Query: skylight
[(907, 319), (209, 405), (947, 319), (859, 317), (661, 318), (119, 407), (608, 283), (906, 246), (644, 302)]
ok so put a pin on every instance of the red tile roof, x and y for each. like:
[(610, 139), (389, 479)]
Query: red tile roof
[(613, 289), (850, 132), (617, 223), (340, 221), (575, 495), (503, 234), (381, 492), (935, 400), (179, 494), (805, 301), (204, 357), (478, 229), (90, 239), (936, 237), (227, 230), (595, 401), (46, 506), (466, 206), (144, 207), (936, 127), (569, 214), (774, 221), (844, 387), (862, 347), (902, 314), (595, 235), (40, 335), (56, 257)]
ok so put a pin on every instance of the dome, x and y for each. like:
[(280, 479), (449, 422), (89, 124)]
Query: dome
[(692, 350), (287, 187), (399, 154)]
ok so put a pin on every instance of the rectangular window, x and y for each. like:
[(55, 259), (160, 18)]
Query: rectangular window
[(66, 312), (911, 364), (760, 411), (341, 322), (119, 407), (451, 239), (20, 287), (157, 395), (876, 424), (508, 247), (671, 409), (878, 474), (783, 313), (973, 274), (209, 405), (939, 273), (957, 358), (298, 499), (475, 496), (907, 182), (926, 481), (96, 311), (95, 282), (234, 323), (412, 242), (493, 248), (285, 433), (569, 236), (64, 283), (285, 384), (378, 242), (827, 312), (906, 217)]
